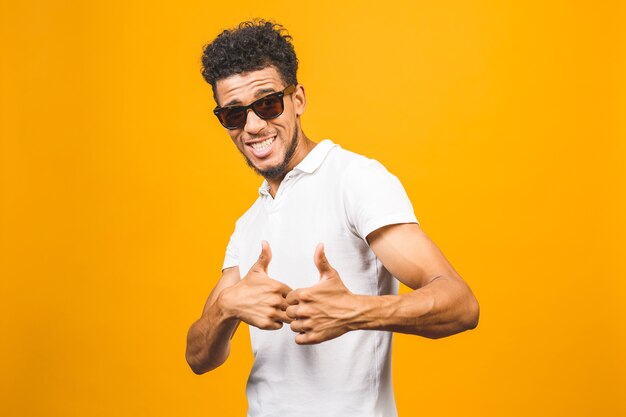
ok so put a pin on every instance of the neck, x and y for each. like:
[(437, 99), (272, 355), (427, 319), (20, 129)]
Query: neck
[(305, 145)]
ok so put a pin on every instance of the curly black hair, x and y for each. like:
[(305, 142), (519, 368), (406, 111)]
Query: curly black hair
[(251, 46)]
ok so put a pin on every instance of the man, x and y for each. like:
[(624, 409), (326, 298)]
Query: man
[(333, 229)]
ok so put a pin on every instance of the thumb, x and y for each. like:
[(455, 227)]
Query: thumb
[(264, 258), (321, 262)]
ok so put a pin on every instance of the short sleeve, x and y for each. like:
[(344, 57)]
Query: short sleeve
[(373, 198), (231, 258)]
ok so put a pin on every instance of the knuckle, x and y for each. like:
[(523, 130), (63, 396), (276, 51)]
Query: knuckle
[(276, 301), (303, 339), (267, 324), (303, 312), (306, 296), (295, 295), (277, 315)]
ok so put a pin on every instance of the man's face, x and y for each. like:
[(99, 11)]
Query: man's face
[(267, 145)]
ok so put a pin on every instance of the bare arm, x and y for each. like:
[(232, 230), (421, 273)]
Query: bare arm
[(255, 299), (441, 304), (208, 339)]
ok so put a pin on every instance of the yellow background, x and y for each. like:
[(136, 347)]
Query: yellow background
[(505, 121)]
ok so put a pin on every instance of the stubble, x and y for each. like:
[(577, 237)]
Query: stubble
[(279, 170)]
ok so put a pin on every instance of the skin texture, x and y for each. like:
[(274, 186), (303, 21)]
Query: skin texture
[(441, 303), (244, 89), (256, 299)]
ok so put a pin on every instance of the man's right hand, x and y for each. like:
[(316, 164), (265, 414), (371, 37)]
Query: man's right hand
[(257, 299)]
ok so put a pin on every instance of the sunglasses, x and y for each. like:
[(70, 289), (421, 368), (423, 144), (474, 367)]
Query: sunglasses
[(269, 107)]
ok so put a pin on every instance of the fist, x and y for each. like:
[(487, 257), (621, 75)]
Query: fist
[(323, 311), (258, 299)]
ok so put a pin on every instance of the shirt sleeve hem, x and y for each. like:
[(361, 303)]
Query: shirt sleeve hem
[(229, 264), (379, 222)]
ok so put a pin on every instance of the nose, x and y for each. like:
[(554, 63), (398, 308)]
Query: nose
[(254, 124)]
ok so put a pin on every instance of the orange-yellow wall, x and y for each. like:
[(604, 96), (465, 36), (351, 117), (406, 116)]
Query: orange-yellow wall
[(118, 191)]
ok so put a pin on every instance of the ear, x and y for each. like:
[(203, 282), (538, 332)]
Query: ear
[(299, 100)]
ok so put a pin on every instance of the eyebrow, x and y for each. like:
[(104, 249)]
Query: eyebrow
[(258, 94)]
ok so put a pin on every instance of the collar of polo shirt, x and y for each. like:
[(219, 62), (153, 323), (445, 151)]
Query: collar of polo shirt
[(308, 165)]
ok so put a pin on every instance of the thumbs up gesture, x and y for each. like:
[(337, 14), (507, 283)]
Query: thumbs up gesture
[(258, 299), (324, 311)]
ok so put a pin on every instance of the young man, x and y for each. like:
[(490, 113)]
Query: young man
[(333, 229)]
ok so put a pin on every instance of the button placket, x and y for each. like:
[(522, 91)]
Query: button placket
[(284, 185)]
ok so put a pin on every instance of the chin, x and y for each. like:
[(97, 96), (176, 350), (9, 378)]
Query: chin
[(273, 171), (281, 159)]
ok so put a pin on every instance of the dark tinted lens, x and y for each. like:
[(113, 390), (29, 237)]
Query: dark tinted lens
[(268, 107), (233, 117)]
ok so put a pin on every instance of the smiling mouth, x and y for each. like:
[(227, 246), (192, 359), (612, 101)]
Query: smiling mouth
[(261, 146)]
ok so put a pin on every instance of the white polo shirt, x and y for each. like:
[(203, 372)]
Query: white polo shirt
[(336, 197)]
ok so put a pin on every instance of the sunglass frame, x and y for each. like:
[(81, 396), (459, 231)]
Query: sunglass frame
[(280, 94)]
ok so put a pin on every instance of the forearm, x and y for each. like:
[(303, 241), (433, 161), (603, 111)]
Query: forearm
[(442, 308), (208, 339)]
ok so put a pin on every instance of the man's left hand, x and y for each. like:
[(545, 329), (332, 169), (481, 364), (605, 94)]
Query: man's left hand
[(324, 311)]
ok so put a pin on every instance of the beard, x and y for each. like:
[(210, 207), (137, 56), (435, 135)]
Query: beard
[(279, 170)]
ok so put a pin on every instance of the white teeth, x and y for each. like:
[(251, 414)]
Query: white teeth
[(260, 146)]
